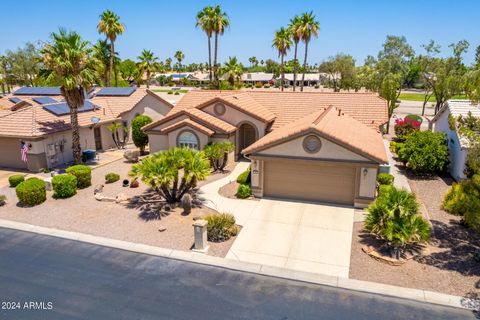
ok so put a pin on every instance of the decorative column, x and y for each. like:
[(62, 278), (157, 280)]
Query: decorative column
[(200, 232)]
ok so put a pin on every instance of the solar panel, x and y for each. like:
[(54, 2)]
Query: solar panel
[(44, 100), (116, 91), (15, 100), (62, 108), (38, 91)]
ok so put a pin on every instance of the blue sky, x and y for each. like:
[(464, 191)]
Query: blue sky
[(357, 27)]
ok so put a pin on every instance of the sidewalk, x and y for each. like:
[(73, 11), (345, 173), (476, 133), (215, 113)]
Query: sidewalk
[(401, 180)]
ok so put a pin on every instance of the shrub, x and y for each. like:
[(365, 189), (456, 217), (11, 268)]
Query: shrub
[(393, 146), (472, 218), (170, 92), (217, 154), (244, 177), (140, 138), (266, 86), (385, 179), (64, 186), (394, 217), (83, 174), (15, 180), (31, 191), (472, 163), (3, 200), (243, 191), (258, 85), (384, 188), (316, 86), (112, 177), (425, 152), (462, 197), (177, 93), (406, 126), (221, 226)]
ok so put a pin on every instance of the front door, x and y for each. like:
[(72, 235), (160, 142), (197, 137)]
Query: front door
[(98, 138), (247, 135)]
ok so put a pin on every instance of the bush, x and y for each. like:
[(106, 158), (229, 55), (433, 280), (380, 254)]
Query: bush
[(472, 218), (393, 146), (3, 200), (472, 163), (140, 138), (170, 92), (83, 174), (425, 152), (384, 188), (316, 86), (112, 177), (258, 85), (244, 177), (177, 93), (266, 86), (64, 186), (31, 191), (406, 126), (385, 179), (243, 191), (463, 197), (221, 226), (16, 179)]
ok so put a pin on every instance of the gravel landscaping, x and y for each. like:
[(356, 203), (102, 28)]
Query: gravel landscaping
[(129, 222), (448, 265)]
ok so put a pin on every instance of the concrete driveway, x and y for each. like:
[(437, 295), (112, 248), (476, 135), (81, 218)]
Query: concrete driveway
[(297, 235)]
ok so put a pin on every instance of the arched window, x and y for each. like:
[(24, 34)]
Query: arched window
[(188, 139)]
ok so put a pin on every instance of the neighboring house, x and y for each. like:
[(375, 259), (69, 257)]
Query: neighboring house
[(40, 118), (312, 146), (257, 77), (457, 146), (311, 79)]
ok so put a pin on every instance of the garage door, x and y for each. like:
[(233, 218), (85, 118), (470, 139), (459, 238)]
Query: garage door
[(309, 181)]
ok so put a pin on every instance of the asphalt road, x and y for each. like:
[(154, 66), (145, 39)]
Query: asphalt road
[(63, 279)]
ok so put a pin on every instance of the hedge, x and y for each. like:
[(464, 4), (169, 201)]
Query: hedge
[(83, 174), (244, 177), (16, 179), (31, 191), (64, 186), (385, 179)]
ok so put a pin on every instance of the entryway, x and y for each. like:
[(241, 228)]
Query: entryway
[(246, 135), (98, 138)]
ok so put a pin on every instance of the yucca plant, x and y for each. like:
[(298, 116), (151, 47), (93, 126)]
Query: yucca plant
[(394, 218)]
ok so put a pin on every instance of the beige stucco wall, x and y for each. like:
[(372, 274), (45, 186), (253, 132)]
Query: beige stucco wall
[(329, 150), (158, 142), (367, 182), (10, 156)]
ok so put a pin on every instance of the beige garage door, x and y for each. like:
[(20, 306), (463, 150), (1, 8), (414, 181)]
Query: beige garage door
[(310, 181)]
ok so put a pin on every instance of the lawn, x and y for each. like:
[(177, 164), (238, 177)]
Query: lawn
[(420, 97), (166, 90)]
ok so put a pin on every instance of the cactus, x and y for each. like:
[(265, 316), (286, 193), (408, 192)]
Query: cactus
[(187, 203)]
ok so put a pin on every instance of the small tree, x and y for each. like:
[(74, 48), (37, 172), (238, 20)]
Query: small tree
[(394, 217), (115, 128), (217, 153), (140, 138), (390, 89)]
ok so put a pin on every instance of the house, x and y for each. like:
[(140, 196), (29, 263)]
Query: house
[(457, 146), (40, 118), (258, 77), (311, 79), (303, 145)]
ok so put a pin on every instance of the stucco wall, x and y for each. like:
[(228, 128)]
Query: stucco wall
[(329, 150), (157, 142), (10, 156), (367, 182)]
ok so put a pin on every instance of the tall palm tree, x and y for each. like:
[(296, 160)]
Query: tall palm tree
[(111, 26), (309, 27), (69, 59), (220, 23), (205, 21), (233, 69), (253, 61), (101, 51), (147, 63), (282, 42), (179, 56), (294, 30)]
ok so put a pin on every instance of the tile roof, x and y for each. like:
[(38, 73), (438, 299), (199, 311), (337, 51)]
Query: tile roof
[(334, 125), (190, 123)]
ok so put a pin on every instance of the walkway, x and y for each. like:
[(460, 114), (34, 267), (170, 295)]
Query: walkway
[(401, 180)]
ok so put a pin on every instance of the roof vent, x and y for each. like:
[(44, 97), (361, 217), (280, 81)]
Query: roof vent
[(339, 112), (235, 97)]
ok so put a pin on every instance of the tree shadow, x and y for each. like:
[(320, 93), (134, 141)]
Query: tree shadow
[(381, 247), (151, 206)]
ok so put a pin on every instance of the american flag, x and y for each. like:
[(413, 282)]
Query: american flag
[(24, 152)]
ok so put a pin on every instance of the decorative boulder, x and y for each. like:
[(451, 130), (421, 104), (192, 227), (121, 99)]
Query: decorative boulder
[(131, 155), (98, 189)]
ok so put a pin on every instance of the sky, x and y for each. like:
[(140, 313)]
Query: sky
[(356, 27)]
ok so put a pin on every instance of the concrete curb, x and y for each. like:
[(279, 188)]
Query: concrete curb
[(314, 278)]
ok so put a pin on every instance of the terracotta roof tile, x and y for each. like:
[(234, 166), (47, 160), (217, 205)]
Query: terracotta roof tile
[(190, 123)]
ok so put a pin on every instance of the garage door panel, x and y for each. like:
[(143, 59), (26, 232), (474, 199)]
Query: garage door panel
[(310, 181)]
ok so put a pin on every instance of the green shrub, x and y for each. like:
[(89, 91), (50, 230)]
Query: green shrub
[(425, 152), (385, 179), (112, 177), (140, 138), (472, 218), (243, 191), (170, 92), (177, 93), (384, 188), (393, 146), (64, 186), (463, 197), (31, 191), (244, 177), (3, 200), (472, 163), (316, 86), (15, 180), (83, 174), (266, 86), (394, 217), (221, 226)]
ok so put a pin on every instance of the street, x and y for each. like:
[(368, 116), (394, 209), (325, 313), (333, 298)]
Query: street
[(44, 277)]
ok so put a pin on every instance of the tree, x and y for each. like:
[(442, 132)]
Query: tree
[(282, 42), (140, 138), (174, 172), (179, 56), (206, 22), (23, 64), (102, 54), (233, 69), (341, 71), (147, 64), (477, 58), (309, 27), (220, 23), (395, 55), (390, 89), (294, 27), (111, 26), (69, 58), (217, 153), (253, 61), (114, 129), (129, 70)]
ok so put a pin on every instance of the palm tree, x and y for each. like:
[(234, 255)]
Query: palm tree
[(220, 23), (102, 54), (253, 61), (205, 21), (69, 59), (147, 64), (233, 70), (294, 30), (309, 27), (282, 43), (168, 64), (179, 56), (111, 26)]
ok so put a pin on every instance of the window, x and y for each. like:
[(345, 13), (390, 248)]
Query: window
[(312, 144), (188, 139)]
